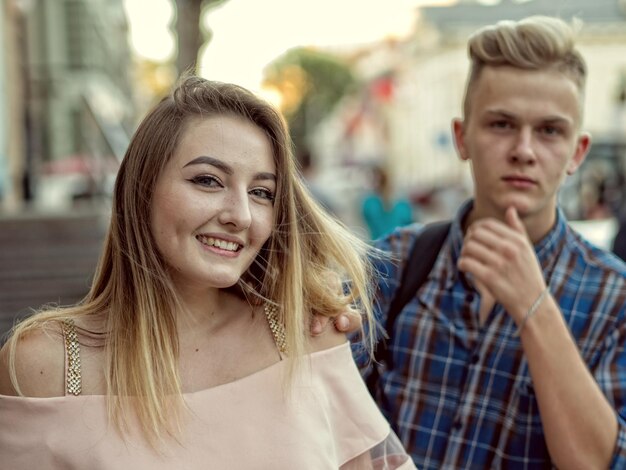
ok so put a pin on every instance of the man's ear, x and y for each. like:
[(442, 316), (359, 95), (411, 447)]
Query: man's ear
[(458, 132), (582, 149)]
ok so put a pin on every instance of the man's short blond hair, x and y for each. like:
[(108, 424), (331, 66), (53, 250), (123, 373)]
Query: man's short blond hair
[(533, 43)]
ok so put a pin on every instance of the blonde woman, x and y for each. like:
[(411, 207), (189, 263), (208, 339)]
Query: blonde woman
[(192, 349)]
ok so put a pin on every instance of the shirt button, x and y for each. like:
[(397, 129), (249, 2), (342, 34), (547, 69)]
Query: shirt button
[(475, 358), (457, 425)]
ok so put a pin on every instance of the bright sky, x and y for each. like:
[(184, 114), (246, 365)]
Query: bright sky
[(248, 34)]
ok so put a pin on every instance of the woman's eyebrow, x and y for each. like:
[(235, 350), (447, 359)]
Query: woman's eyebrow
[(206, 160)]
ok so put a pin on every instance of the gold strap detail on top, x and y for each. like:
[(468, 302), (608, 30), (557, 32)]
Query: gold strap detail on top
[(72, 353), (277, 327)]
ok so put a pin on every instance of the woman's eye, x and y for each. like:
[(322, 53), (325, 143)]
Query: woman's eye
[(206, 180), (263, 193)]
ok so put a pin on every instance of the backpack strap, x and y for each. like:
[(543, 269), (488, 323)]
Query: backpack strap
[(420, 262), (423, 255)]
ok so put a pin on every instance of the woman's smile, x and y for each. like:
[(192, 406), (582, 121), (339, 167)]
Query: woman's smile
[(220, 246)]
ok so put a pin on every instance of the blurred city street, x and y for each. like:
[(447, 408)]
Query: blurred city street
[(76, 76)]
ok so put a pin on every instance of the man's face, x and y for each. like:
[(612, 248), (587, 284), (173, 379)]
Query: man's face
[(521, 137)]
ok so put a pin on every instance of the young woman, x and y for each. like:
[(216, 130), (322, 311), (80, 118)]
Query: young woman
[(192, 349)]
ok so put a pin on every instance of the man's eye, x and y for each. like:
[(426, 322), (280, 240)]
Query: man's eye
[(501, 124), (551, 130), (206, 180)]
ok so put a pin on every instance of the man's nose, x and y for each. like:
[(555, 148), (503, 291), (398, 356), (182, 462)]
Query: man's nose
[(523, 150)]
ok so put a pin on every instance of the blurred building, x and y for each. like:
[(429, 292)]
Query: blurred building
[(65, 107), (414, 87), (66, 81), (12, 131)]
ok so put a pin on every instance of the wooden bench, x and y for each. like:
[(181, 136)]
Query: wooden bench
[(47, 258)]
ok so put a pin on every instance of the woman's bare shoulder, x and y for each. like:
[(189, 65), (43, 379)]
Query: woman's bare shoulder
[(39, 364)]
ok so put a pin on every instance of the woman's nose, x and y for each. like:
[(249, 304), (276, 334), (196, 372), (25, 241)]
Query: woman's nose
[(236, 210)]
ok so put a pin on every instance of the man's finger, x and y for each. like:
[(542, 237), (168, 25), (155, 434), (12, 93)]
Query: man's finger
[(513, 220), (318, 324), (342, 323), (348, 321)]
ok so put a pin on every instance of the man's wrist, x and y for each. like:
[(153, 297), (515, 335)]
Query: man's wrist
[(531, 311)]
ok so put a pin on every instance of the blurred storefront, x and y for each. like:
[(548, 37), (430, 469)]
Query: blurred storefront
[(12, 131), (66, 94), (413, 87)]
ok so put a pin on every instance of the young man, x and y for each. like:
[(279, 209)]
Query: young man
[(511, 354)]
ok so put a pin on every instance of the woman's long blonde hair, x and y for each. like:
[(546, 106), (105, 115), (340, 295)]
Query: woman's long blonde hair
[(133, 297)]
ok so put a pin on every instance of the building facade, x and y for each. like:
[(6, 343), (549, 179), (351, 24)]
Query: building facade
[(410, 132), (12, 130), (73, 62)]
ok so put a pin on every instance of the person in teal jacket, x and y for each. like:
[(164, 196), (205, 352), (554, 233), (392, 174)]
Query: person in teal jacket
[(382, 212)]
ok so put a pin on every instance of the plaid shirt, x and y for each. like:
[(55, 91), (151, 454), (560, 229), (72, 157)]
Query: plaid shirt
[(460, 394)]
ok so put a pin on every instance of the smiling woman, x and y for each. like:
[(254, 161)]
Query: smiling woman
[(193, 341), (213, 204)]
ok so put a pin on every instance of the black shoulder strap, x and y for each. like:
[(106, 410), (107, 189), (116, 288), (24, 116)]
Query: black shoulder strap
[(421, 260)]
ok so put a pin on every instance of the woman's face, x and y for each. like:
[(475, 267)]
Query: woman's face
[(213, 205)]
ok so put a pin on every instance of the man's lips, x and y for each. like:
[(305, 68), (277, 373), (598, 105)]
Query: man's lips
[(519, 181)]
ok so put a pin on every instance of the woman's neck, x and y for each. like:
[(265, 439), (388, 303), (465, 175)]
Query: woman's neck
[(205, 309)]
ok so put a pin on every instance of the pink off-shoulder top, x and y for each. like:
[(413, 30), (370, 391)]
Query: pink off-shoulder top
[(326, 420)]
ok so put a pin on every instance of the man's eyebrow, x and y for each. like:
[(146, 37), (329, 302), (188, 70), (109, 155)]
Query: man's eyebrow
[(500, 113), (206, 160), (553, 119), (557, 120)]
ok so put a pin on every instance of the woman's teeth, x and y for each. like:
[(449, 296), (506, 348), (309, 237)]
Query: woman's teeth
[(216, 242)]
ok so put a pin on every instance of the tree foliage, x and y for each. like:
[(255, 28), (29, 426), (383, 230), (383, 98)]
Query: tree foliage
[(311, 83)]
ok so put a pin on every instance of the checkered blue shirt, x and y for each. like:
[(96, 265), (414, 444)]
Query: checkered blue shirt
[(460, 394)]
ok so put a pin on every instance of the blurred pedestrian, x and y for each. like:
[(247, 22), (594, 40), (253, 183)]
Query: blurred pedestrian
[(191, 349), (381, 209), (310, 175), (512, 353)]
